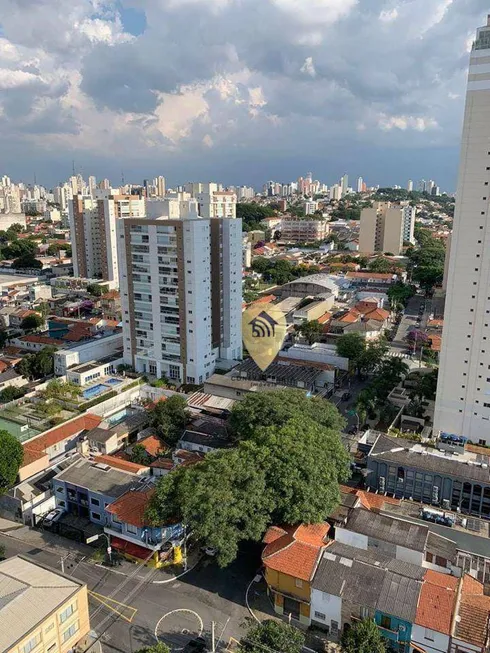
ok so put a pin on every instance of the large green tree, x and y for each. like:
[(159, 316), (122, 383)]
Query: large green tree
[(158, 647), (170, 417), (32, 322), (363, 637), (271, 636), (364, 356), (380, 264), (277, 407), (312, 330), (11, 457), (286, 469)]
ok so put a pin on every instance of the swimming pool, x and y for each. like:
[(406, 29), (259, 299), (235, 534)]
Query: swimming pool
[(94, 391), (112, 381)]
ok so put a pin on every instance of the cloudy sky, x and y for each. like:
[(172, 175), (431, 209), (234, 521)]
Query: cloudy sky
[(238, 91)]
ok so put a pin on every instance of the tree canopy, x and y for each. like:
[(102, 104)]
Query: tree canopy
[(252, 215), (399, 294), (159, 647), (380, 264), (286, 468), (312, 330), (363, 637), (38, 365), (427, 260), (27, 260), (170, 417), (280, 272), (32, 322), (271, 635), (95, 289), (11, 457), (363, 355)]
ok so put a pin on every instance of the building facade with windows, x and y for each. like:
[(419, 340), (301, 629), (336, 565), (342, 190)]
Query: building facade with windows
[(180, 292), (463, 393), (41, 611)]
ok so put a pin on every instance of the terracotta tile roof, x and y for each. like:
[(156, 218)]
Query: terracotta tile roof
[(120, 463), (323, 319), (112, 294), (31, 455), (350, 317), (130, 507), (295, 552), (35, 449), (163, 463), (267, 299), (435, 343), (379, 314), (373, 501), (369, 275), (366, 305), (41, 340), (475, 448), (153, 445), (473, 612), (437, 602), (3, 366), (435, 323)]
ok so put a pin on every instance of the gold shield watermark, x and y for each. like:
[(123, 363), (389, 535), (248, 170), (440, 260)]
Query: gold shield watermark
[(264, 329)]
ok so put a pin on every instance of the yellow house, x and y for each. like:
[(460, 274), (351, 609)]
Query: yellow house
[(41, 611), (290, 558)]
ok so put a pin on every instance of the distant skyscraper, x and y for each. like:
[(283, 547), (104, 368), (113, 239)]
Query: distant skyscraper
[(344, 184), (360, 184), (92, 185), (382, 228), (410, 186), (463, 392)]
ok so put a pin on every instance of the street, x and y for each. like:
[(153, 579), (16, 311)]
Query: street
[(128, 610)]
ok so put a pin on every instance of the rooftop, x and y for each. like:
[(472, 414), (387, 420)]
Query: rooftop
[(29, 593), (388, 529), (473, 613), (97, 477), (294, 550), (437, 600), (130, 508)]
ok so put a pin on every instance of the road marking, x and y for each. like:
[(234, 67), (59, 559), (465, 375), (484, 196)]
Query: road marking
[(200, 622), (232, 642), (106, 601)]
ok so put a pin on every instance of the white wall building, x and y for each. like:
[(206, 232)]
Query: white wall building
[(409, 224), (180, 290), (463, 393), (86, 352)]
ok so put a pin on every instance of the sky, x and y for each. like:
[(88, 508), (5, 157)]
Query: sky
[(236, 91)]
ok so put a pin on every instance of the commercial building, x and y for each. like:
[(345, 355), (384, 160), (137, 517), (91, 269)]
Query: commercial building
[(181, 290), (382, 228), (40, 609), (462, 402), (9, 219), (93, 232)]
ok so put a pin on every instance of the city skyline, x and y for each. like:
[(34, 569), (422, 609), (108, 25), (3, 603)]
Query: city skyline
[(255, 104)]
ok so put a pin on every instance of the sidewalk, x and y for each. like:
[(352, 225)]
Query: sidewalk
[(46, 540)]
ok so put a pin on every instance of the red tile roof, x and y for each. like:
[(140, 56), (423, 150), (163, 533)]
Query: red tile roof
[(379, 314), (121, 463), (323, 319), (369, 275), (41, 340), (35, 449), (350, 317), (153, 445), (437, 602), (295, 550), (130, 508), (266, 299), (473, 612)]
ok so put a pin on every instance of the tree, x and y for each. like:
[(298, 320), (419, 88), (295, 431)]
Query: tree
[(32, 322), (399, 294), (380, 264), (27, 261), (426, 386), (363, 637), (159, 647), (277, 407), (95, 289), (57, 389), (312, 331), (351, 346), (11, 457), (10, 393), (288, 470), (170, 417), (140, 455), (271, 635)]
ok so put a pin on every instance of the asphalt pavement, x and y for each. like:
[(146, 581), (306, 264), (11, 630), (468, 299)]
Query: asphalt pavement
[(129, 611)]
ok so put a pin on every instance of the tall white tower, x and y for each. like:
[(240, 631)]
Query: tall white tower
[(463, 393)]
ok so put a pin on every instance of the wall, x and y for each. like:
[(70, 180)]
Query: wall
[(408, 555), (352, 539), (287, 584), (87, 352), (327, 604), (439, 643), (106, 408), (26, 471)]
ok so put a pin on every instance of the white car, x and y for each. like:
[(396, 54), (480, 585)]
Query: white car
[(209, 551), (52, 516)]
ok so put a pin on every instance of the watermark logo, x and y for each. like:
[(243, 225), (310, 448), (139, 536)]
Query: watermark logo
[(264, 330)]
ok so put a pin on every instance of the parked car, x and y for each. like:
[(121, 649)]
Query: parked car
[(53, 516), (209, 551)]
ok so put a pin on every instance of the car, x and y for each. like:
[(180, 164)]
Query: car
[(197, 645), (53, 516), (209, 551)]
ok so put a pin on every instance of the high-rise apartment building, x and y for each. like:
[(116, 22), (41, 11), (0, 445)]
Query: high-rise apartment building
[(410, 186), (344, 184), (463, 392), (360, 184), (382, 228), (93, 232), (160, 187), (409, 213), (181, 289)]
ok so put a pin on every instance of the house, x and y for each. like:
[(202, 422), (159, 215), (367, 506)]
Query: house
[(312, 310), (129, 530), (86, 488), (352, 584), (103, 441), (36, 342), (290, 558), (10, 378), (205, 434), (288, 372), (45, 447), (431, 631), (471, 627)]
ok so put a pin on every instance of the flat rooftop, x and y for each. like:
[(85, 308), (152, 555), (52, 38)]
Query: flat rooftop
[(29, 594), (97, 478), (16, 280)]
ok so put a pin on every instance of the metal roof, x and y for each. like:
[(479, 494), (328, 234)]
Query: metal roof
[(389, 529), (94, 477)]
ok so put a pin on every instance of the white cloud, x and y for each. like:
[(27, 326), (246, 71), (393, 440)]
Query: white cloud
[(404, 123), (317, 11), (308, 68), (388, 15)]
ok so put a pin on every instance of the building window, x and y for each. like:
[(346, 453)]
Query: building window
[(31, 644), (385, 622), (131, 529), (67, 612), (429, 556), (429, 634), (298, 582), (68, 634), (96, 516), (320, 615), (94, 502)]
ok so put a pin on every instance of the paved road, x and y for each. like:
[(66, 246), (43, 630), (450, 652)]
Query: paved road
[(125, 611), (409, 319)]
